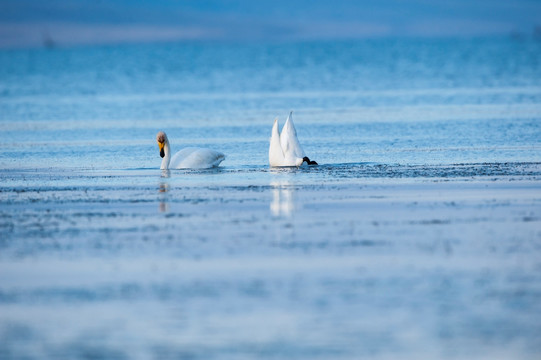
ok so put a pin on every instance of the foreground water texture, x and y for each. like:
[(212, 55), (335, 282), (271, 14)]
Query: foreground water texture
[(418, 236)]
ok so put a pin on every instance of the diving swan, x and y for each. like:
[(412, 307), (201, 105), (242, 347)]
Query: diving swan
[(187, 158), (284, 148)]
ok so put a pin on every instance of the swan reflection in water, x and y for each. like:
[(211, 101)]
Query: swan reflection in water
[(283, 199), (163, 190)]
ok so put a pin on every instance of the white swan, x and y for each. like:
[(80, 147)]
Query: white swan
[(187, 158), (284, 148)]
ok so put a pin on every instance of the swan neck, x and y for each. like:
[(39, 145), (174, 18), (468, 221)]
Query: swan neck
[(167, 158)]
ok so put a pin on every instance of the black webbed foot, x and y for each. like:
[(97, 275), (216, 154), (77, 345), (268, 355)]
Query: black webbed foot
[(308, 161)]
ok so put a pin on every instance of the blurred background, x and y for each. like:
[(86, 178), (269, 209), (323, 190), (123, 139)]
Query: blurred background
[(26, 23)]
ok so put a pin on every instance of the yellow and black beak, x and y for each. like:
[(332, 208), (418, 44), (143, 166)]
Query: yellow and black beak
[(162, 151)]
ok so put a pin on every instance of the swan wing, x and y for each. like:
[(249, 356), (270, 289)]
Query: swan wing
[(196, 158), (288, 139), (276, 155), (284, 135)]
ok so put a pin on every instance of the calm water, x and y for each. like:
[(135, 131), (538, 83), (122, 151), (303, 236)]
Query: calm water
[(419, 235), (406, 102)]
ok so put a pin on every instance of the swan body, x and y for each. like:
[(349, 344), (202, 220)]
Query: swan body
[(284, 148), (187, 158)]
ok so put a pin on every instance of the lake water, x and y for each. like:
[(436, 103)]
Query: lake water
[(418, 235)]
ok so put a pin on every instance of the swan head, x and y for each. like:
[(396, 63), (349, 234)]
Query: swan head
[(161, 138)]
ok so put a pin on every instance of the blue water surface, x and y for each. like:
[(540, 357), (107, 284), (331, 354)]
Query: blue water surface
[(388, 101), (417, 236)]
